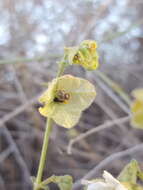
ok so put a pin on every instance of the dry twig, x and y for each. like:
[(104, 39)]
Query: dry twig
[(18, 157), (94, 130), (17, 111)]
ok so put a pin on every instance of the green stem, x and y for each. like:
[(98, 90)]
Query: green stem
[(26, 59), (43, 154), (62, 66), (46, 139)]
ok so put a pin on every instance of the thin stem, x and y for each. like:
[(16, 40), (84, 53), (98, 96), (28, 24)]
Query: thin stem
[(27, 59), (46, 139), (62, 66), (43, 153)]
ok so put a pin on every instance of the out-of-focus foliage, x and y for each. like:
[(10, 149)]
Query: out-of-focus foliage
[(130, 174), (137, 108)]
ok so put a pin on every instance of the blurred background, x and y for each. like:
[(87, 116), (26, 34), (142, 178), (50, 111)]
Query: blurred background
[(32, 37)]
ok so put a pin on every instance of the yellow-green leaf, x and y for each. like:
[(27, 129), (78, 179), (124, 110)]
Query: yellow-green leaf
[(84, 55), (138, 94), (129, 173), (137, 114), (63, 182), (66, 98), (65, 118), (137, 108), (131, 186)]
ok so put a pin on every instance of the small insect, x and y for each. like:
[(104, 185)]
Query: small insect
[(77, 57), (61, 96)]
